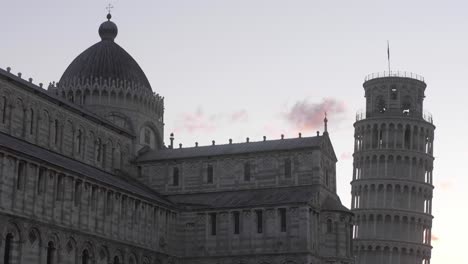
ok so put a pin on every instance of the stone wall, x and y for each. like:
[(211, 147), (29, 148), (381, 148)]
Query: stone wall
[(44, 121), (56, 197), (266, 170)]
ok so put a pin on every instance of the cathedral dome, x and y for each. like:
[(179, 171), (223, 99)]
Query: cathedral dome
[(105, 60)]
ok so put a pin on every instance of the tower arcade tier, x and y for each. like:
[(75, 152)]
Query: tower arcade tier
[(392, 172)]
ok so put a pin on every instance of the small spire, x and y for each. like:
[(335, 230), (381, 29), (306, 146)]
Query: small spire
[(325, 121), (172, 141)]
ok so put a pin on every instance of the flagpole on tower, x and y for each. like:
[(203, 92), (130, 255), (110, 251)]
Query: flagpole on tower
[(388, 56)]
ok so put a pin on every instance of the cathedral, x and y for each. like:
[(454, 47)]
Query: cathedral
[(86, 178)]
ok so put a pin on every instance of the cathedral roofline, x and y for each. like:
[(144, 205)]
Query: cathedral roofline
[(233, 149)]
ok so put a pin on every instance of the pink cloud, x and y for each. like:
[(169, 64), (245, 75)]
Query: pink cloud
[(445, 185), (198, 121), (346, 156), (239, 116), (308, 116)]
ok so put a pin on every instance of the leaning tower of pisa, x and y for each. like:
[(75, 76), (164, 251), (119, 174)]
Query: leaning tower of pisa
[(392, 175)]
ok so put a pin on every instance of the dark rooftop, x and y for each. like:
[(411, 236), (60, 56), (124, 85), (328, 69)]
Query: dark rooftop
[(246, 198), (106, 60), (232, 149), (74, 166)]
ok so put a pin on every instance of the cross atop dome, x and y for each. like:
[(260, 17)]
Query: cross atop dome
[(109, 8)]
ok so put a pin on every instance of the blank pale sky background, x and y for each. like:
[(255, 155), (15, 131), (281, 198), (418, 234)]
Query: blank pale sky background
[(235, 69)]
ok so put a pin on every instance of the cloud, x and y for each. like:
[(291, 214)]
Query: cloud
[(346, 156), (239, 116), (308, 116), (445, 185), (199, 121), (196, 121)]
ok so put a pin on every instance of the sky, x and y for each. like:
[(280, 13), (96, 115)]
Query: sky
[(254, 68)]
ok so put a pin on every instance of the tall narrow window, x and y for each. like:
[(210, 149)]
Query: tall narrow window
[(259, 215), (98, 150), (147, 136), (175, 176), (407, 137), (282, 217), (104, 151), (50, 253), (85, 257), (329, 226), (77, 193), (247, 171), (209, 174), (41, 180), (116, 260), (287, 168), (20, 175), (394, 93), (236, 220), (8, 246), (79, 137), (213, 223), (56, 132), (31, 122), (4, 109)]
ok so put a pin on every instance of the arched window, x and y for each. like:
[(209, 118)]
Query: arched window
[(4, 109), (104, 151), (31, 121), (247, 171), (50, 253), (407, 137), (79, 137), (175, 176), (85, 257), (209, 173), (98, 150), (8, 246), (287, 168), (329, 226), (56, 132), (394, 93)]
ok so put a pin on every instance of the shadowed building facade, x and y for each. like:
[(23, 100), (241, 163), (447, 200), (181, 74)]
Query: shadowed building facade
[(392, 179), (86, 178)]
